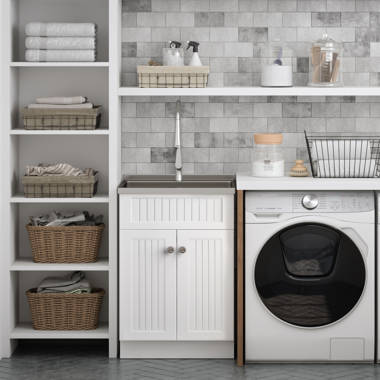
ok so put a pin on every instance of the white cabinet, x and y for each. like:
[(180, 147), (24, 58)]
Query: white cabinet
[(176, 274), (147, 285), (205, 285)]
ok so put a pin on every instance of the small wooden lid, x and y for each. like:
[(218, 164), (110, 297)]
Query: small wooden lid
[(268, 138)]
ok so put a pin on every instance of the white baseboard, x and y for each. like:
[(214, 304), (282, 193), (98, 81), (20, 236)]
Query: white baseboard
[(176, 350)]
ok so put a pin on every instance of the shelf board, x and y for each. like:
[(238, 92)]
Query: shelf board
[(24, 132), (26, 331), (251, 91), (59, 64), (98, 198), (27, 265)]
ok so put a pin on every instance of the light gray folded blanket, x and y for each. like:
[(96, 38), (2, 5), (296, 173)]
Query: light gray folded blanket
[(61, 106), (64, 100), (35, 55), (61, 43), (72, 283), (60, 29)]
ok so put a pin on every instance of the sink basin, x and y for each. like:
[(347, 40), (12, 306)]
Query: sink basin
[(189, 181)]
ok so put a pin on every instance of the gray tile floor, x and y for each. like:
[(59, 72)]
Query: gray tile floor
[(34, 361)]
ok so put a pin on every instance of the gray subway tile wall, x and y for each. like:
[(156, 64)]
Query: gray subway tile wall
[(218, 131)]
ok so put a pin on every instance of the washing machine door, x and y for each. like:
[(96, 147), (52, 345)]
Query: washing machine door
[(310, 275)]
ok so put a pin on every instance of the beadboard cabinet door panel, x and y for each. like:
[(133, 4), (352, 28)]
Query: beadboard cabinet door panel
[(144, 211), (147, 285), (205, 301)]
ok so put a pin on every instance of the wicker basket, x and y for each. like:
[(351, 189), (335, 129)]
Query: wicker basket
[(70, 244), (172, 76), (56, 118), (63, 311), (60, 186)]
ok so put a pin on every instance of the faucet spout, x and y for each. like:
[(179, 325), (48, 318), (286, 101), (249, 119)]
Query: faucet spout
[(178, 156)]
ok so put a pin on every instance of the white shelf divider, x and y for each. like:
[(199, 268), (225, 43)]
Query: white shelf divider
[(27, 265), (26, 331), (98, 198), (59, 64), (251, 91), (25, 132)]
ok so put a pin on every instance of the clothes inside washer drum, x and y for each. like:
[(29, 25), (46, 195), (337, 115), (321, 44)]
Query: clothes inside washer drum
[(300, 309), (308, 305)]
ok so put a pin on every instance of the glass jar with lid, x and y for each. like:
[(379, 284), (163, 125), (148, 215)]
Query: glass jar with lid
[(268, 158), (325, 63)]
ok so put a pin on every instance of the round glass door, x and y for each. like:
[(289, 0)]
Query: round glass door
[(310, 275)]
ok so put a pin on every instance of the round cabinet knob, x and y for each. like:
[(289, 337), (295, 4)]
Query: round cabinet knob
[(181, 250), (170, 250), (310, 202)]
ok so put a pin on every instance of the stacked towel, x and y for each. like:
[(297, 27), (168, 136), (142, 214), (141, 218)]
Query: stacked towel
[(55, 219), (74, 283), (60, 169), (62, 103), (60, 42)]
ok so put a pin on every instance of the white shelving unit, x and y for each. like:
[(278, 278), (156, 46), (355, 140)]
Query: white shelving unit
[(21, 82)]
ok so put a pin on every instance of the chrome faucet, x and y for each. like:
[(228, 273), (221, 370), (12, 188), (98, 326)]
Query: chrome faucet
[(178, 155)]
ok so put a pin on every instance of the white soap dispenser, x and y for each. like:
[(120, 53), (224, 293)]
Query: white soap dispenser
[(195, 60)]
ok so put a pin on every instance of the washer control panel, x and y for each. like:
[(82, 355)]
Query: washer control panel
[(320, 201)]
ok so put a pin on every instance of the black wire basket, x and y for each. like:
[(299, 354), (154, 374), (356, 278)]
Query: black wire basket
[(344, 156)]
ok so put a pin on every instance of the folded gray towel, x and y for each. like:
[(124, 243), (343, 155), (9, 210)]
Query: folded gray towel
[(73, 283)]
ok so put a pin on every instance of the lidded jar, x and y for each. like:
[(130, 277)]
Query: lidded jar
[(268, 158), (325, 63)]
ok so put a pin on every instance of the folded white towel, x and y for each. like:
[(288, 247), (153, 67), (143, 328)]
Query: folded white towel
[(60, 55), (61, 43), (341, 150), (60, 29), (346, 168), (62, 100), (61, 106)]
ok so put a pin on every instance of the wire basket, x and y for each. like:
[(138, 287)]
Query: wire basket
[(344, 156), (61, 119)]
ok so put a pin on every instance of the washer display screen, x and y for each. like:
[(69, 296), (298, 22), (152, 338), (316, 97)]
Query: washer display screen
[(310, 275)]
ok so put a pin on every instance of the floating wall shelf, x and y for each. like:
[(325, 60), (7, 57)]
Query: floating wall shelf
[(251, 91)]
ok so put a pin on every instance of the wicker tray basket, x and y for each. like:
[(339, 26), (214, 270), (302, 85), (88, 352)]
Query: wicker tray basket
[(66, 244), (56, 118), (172, 76), (62, 311), (61, 186)]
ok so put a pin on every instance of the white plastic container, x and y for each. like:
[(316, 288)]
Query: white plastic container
[(268, 159), (276, 67), (276, 76)]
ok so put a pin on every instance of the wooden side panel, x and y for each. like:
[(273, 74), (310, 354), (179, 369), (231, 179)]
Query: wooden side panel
[(240, 359)]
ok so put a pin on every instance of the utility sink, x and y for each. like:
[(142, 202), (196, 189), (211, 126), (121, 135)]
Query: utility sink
[(189, 181)]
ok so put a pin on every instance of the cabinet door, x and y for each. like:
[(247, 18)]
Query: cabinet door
[(147, 285), (205, 271)]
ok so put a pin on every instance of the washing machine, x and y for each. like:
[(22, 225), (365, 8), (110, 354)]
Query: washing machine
[(309, 276)]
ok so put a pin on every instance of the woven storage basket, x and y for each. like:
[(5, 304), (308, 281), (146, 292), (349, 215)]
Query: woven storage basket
[(63, 311), (56, 118), (69, 244), (60, 186), (172, 76)]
